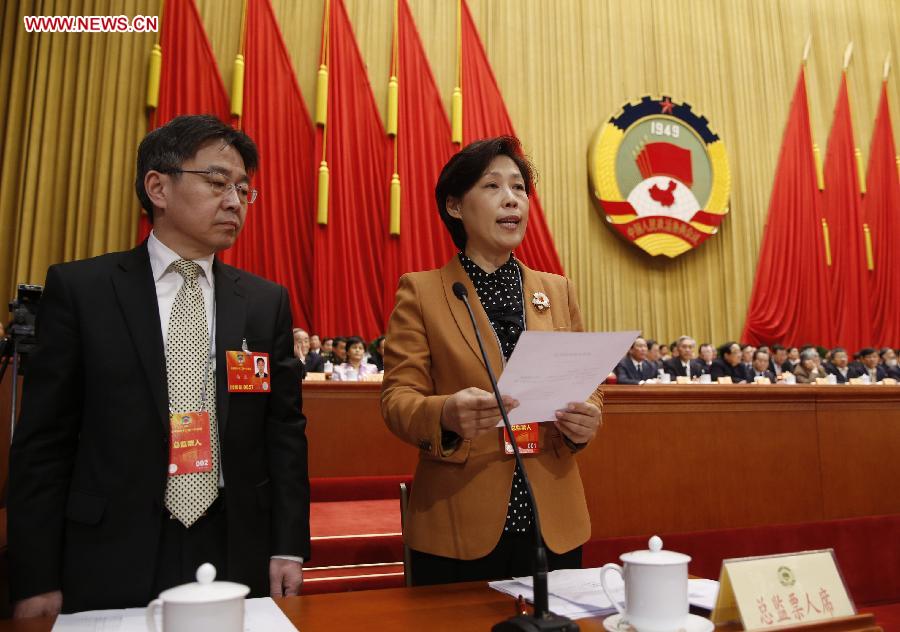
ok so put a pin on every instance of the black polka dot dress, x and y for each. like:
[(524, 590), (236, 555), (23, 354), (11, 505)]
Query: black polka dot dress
[(500, 293)]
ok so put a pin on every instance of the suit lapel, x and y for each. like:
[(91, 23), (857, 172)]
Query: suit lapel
[(532, 284), (231, 316), (450, 274), (136, 294)]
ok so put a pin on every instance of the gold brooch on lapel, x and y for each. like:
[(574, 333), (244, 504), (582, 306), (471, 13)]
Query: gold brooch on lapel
[(540, 301)]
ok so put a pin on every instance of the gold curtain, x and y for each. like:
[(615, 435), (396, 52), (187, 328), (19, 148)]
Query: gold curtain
[(71, 118), (564, 67)]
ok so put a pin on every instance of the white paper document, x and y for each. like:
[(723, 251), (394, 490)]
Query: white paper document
[(577, 594), (260, 615), (549, 369)]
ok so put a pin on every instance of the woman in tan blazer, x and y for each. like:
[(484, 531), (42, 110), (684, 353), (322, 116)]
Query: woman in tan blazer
[(468, 516)]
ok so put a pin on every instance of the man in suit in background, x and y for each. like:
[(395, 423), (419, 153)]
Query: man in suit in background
[(98, 518), (634, 368), (760, 367), (309, 361), (682, 362), (839, 365), (707, 355), (869, 365)]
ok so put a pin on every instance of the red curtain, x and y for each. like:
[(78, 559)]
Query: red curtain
[(791, 295), (849, 278), (485, 115), (881, 207), (276, 242), (189, 79), (423, 147), (348, 273)]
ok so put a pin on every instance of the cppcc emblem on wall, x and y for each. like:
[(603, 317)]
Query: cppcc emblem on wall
[(661, 176)]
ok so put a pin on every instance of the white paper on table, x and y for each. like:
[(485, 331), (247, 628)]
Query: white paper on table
[(576, 593), (260, 615), (549, 369)]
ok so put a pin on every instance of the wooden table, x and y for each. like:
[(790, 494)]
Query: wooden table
[(736, 455)]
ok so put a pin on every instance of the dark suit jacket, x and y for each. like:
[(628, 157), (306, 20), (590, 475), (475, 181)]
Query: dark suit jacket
[(720, 368), (627, 373), (675, 368), (314, 363), (766, 374), (88, 462), (860, 370), (833, 370)]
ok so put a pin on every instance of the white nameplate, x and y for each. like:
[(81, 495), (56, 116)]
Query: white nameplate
[(781, 590)]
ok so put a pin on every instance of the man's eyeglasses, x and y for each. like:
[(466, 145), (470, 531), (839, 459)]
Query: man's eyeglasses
[(220, 186)]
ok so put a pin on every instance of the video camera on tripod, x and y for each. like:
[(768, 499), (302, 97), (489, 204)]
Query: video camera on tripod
[(20, 338)]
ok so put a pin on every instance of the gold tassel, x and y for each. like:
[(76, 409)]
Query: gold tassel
[(861, 174), (827, 242), (153, 77), (322, 208), (393, 105), (237, 86), (322, 95), (820, 174), (456, 114), (395, 204), (870, 257)]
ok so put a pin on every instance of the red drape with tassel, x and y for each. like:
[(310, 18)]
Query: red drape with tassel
[(881, 209), (189, 79), (423, 147), (791, 294), (276, 242), (348, 265), (841, 206), (485, 115)]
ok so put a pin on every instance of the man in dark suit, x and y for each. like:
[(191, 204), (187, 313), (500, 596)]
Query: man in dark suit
[(869, 365), (311, 362), (839, 365), (97, 516), (728, 364), (634, 367), (760, 367), (261, 368), (682, 362)]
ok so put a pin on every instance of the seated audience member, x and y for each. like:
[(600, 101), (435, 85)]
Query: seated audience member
[(315, 344), (328, 349), (728, 364), (761, 367), (634, 367), (793, 360), (339, 351), (354, 369), (665, 354), (707, 355), (682, 362), (376, 353), (653, 356), (839, 366), (889, 362), (747, 352), (309, 361), (869, 359), (808, 370), (779, 358)]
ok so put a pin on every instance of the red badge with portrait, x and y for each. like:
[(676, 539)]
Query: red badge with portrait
[(248, 372), (527, 437)]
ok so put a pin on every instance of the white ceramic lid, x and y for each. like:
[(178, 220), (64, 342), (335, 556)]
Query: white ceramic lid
[(205, 590), (655, 555)]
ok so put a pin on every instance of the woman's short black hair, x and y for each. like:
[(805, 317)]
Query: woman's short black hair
[(466, 167), (355, 340), (167, 147)]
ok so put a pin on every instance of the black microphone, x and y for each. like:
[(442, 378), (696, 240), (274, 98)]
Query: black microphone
[(542, 620)]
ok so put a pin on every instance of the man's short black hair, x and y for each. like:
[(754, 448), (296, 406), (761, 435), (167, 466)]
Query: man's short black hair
[(777, 348), (466, 167), (168, 147), (759, 351), (258, 360), (866, 351)]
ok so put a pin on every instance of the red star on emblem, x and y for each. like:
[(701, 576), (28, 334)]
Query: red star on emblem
[(667, 106)]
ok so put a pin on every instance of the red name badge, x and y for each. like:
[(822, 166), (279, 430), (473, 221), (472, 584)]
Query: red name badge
[(527, 438), (248, 372), (189, 446)]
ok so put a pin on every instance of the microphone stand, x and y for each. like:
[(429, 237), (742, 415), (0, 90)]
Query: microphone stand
[(543, 620)]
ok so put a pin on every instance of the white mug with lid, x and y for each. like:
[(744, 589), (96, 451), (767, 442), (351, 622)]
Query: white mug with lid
[(656, 588), (204, 605)]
